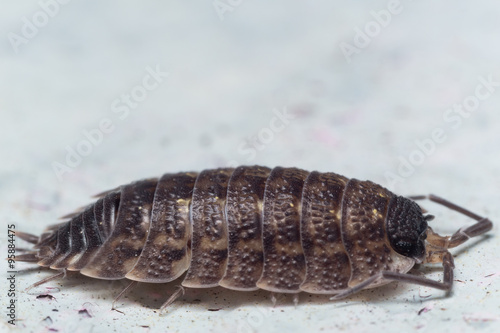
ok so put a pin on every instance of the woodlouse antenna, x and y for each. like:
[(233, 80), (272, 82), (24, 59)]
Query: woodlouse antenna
[(482, 226)]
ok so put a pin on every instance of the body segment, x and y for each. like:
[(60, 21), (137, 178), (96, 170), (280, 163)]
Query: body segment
[(327, 262), (244, 204), (284, 262), (166, 255)]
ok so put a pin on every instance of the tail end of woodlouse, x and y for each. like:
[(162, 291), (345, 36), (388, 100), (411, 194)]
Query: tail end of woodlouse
[(28, 257), (44, 246), (27, 237)]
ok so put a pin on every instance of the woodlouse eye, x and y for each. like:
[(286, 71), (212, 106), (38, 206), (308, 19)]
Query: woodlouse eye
[(423, 235), (424, 226)]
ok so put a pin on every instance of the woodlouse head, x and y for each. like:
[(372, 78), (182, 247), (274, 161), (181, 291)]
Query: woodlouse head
[(407, 228)]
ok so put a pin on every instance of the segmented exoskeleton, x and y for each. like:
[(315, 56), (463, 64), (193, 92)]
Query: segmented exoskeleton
[(285, 230)]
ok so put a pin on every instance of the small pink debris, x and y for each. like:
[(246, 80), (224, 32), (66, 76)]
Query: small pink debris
[(480, 317), (426, 309)]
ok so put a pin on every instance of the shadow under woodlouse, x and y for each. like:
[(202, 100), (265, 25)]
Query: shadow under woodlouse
[(152, 296)]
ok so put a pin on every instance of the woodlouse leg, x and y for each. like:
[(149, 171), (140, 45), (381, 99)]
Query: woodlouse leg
[(357, 288), (273, 299), (122, 293), (482, 226), (178, 293), (448, 266), (47, 279)]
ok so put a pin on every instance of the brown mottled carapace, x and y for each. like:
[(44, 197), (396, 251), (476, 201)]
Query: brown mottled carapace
[(284, 230)]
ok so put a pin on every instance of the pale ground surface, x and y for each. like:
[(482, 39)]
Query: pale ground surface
[(226, 79)]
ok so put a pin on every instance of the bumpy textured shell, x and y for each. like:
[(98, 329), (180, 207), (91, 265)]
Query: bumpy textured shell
[(283, 230)]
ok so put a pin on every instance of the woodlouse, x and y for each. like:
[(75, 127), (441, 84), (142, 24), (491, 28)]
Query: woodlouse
[(285, 230)]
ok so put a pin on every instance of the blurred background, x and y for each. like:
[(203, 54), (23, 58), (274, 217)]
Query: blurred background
[(95, 94)]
